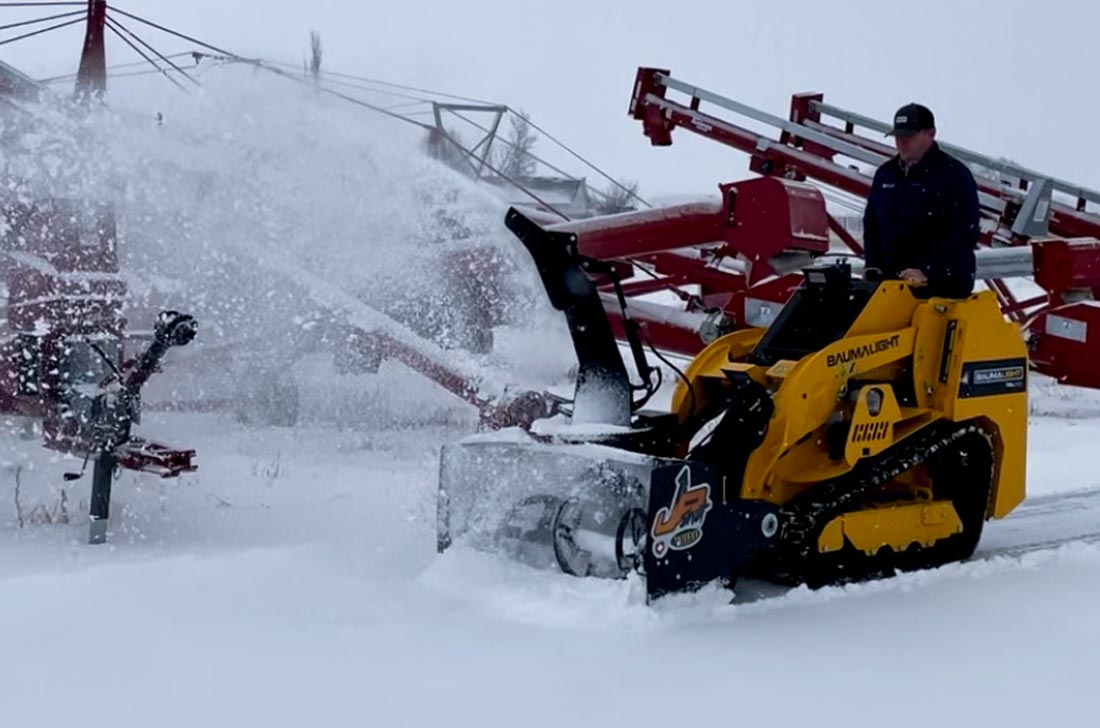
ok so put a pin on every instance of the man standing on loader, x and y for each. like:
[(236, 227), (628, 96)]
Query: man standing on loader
[(921, 220)]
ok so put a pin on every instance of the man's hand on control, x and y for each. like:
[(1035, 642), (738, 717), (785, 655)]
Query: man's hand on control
[(914, 277)]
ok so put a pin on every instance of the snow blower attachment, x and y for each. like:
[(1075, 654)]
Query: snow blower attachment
[(574, 499), (865, 431)]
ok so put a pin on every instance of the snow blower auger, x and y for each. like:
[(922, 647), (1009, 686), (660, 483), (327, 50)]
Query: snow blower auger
[(865, 431)]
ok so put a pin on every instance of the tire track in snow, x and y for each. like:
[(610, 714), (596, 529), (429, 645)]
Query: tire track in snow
[(1044, 522)]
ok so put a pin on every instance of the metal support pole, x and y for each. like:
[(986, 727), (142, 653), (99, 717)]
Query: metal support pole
[(100, 511), (91, 77)]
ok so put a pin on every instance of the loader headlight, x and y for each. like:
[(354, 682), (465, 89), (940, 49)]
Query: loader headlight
[(769, 525), (874, 401)]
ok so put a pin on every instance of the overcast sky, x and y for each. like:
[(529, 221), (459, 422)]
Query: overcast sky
[(1014, 78)]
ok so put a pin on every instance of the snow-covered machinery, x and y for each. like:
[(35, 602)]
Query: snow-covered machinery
[(865, 430)]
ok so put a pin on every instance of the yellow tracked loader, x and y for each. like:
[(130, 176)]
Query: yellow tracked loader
[(867, 430)]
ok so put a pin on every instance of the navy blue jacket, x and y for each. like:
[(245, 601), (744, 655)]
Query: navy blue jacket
[(924, 218)]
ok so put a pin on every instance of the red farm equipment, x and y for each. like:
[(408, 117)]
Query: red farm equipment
[(733, 261)]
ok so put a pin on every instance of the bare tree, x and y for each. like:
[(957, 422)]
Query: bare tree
[(448, 147), (313, 63), (517, 161), (618, 198)]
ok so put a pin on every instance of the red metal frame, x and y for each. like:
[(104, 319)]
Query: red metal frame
[(756, 219), (1063, 343), (1066, 266), (755, 223)]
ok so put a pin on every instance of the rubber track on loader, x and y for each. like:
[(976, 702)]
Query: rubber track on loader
[(1040, 523), (806, 515)]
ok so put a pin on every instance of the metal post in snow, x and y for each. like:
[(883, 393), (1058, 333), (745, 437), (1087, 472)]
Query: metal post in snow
[(100, 510)]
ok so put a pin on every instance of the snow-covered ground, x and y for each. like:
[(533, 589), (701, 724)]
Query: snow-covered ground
[(293, 580)]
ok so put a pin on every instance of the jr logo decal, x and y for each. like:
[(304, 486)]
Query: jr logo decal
[(679, 526)]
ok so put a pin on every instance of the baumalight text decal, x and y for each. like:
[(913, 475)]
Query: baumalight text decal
[(859, 352)]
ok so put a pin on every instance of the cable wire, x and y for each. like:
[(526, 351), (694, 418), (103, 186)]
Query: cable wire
[(390, 84), (159, 55), (277, 71), (111, 26), (510, 144), (179, 35), (114, 67), (599, 171), (20, 24), (41, 31), (361, 87)]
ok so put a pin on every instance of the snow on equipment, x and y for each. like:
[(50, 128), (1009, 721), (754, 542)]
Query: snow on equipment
[(864, 430)]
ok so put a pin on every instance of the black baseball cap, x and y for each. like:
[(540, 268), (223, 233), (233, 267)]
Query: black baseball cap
[(910, 119)]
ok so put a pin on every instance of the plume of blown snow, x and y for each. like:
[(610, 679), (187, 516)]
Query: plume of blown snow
[(243, 199)]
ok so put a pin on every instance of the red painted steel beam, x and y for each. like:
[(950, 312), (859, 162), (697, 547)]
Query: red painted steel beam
[(519, 411), (775, 159), (1009, 304), (847, 237), (1067, 265), (754, 220), (631, 234), (1066, 343), (662, 336), (91, 76), (700, 272), (660, 116), (1062, 336), (646, 286), (667, 333), (1027, 303)]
